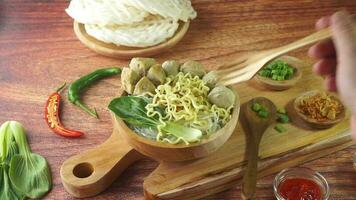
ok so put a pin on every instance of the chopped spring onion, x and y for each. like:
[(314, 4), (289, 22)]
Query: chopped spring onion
[(280, 128), (260, 110), (278, 70)]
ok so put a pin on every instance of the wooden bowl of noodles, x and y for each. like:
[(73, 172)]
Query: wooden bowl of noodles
[(161, 151)]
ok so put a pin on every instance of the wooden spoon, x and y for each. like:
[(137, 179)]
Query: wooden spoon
[(254, 127), (115, 51)]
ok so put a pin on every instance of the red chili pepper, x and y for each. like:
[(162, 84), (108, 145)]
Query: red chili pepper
[(52, 116)]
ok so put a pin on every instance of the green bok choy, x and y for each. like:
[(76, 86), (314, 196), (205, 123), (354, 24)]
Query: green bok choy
[(132, 110), (22, 173)]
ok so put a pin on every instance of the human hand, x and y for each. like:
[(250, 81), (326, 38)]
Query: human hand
[(337, 59)]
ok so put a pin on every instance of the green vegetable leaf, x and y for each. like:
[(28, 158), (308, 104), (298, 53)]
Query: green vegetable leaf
[(16, 134), (30, 174), (23, 174), (132, 109), (7, 143), (6, 189), (185, 133)]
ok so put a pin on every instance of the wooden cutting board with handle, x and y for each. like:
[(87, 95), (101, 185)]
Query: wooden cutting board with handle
[(92, 171)]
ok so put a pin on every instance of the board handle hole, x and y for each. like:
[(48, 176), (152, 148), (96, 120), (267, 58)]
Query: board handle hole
[(83, 170)]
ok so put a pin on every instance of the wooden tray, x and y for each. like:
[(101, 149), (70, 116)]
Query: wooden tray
[(93, 171)]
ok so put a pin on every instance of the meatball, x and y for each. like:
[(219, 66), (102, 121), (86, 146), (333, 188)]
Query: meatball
[(156, 74), (171, 67), (143, 86), (194, 68), (129, 79), (211, 79), (141, 65), (222, 97)]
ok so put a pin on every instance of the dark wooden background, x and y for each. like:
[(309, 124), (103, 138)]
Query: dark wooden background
[(39, 51)]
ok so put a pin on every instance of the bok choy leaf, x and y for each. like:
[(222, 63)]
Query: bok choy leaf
[(132, 109), (29, 174), (23, 173), (6, 188)]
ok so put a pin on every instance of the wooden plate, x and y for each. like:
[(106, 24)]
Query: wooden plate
[(286, 84), (313, 122), (115, 51)]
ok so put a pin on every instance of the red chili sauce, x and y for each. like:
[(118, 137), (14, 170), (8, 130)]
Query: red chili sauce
[(300, 189)]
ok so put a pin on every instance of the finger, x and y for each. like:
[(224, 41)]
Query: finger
[(322, 49), (325, 67), (323, 22), (330, 83), (343, 33)]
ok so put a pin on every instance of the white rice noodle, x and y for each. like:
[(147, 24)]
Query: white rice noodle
[(176, 9), (104, 12), (152, 31)]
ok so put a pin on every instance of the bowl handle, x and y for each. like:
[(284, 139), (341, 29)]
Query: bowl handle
[(89, 173)]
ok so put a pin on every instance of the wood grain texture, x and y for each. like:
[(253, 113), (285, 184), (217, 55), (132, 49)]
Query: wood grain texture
[(38, 51)]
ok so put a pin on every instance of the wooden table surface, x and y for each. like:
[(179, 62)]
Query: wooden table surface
[(39, 51)]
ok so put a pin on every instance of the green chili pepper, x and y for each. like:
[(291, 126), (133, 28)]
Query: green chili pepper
[(75, 89)]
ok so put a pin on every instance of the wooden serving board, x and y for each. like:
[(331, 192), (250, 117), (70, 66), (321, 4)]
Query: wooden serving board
[(222, 169)]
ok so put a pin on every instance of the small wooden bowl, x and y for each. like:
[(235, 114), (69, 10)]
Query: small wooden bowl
[(125, 52), (179, 152), (312, 122), (286, 84)]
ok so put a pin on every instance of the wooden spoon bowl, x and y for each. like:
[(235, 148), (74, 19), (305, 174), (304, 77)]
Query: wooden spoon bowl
[(313, 122), (254, 126), (286, 84), (112, 50), (179, 152)]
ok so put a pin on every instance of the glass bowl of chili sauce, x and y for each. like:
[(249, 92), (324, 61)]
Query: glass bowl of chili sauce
[(300, 184)]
